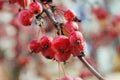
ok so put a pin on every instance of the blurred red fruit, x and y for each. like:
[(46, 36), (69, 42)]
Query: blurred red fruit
[(46, 47), (62, 46), (69, 15), (25, 17), (36, 7), (34, 46), (1, 4), (24, 60), (100, 13), (70, 27), (77, 43)]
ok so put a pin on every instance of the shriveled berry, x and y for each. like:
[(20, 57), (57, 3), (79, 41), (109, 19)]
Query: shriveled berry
[(36, 7), (77, 43), (69, 15), (25, 17), (70, 27), (23, 3), (34, 46), (62, 46)]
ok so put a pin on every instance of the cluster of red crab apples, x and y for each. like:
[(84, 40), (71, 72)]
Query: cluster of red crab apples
[(60, 47)]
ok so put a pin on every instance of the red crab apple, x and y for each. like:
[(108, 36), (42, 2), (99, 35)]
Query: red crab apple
[(34, 46), (69, 15), (23, 3), (62, 46), (70, 27), (25, 17), (36, 7), (77, 43), (46, 47)]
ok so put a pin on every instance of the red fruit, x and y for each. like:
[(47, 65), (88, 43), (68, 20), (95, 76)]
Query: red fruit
[(49, 53), (77, 78), (62, 46), (85, 74), (23, 3), (1, 4), (77, 43), (100, 13), (67, 78), (34, 46), (24, 60), (70, 27), (116, 20), (45, 42), (25, 17), (36, 7), (46, 47), (113, 33), (69, 15)]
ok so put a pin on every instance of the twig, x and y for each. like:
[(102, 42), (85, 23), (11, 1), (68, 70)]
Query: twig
[(83, 60)]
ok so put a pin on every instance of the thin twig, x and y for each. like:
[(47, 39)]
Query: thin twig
[(83, 60)]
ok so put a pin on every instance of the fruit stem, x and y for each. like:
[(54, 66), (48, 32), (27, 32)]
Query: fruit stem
[(51, 17), (83, 60)]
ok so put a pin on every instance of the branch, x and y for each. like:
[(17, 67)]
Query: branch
[(83, 60)]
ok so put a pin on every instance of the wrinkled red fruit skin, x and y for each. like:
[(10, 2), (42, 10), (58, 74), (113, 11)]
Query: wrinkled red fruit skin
[(77, 43), (69, 15), (36, 7), (62, 46), (46, 47), (25, 17), (70, 27)]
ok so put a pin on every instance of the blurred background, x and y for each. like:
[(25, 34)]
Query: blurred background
[(101, 29)]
